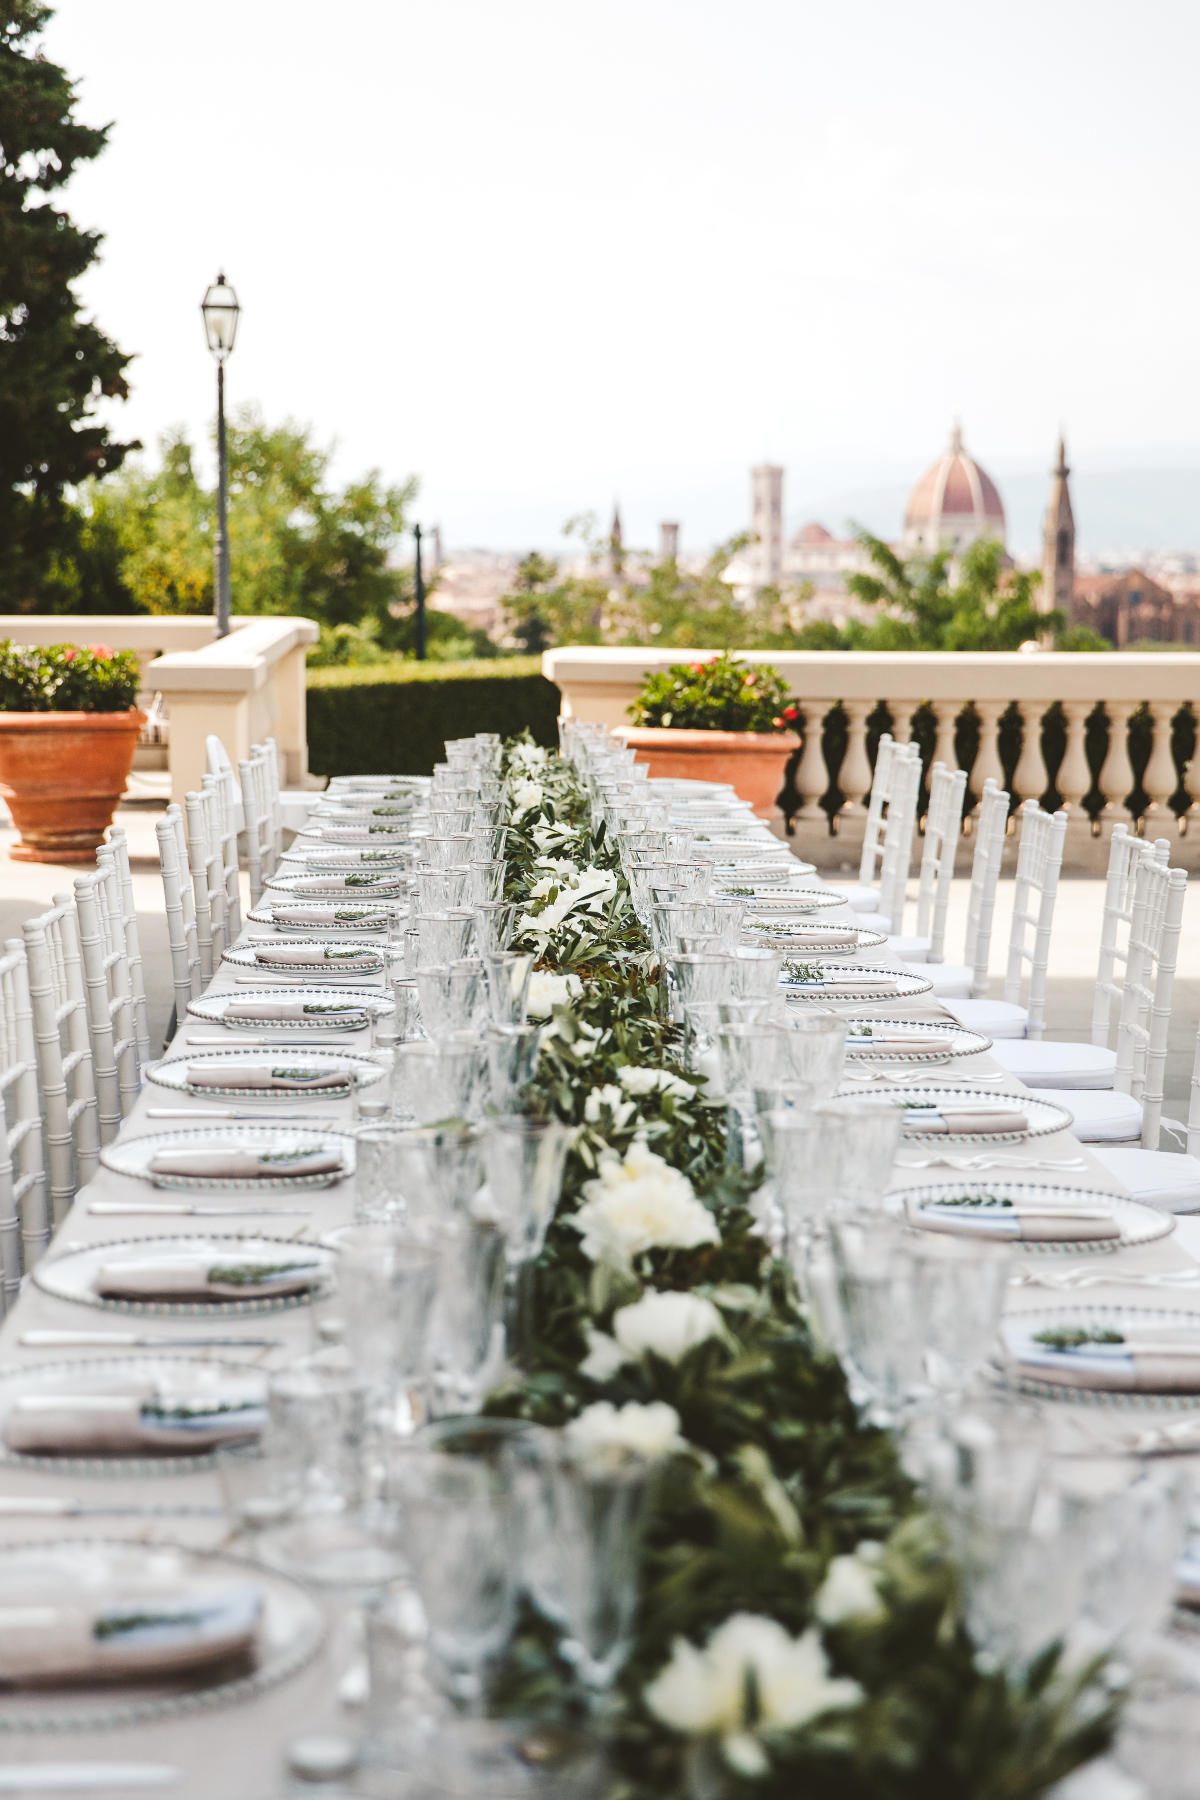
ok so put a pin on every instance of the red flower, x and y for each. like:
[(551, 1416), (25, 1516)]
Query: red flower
[(791, 712), (99, 650), (697, 668), (750, 680), (778, 724), (70, 655)]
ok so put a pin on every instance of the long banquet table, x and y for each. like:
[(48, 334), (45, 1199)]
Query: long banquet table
[(239, 1753)]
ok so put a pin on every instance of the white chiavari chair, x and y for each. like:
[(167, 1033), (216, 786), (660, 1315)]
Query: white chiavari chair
[(217, 758), (259, 827), (865, 897), (222, 787), (1039, 860), (898, 836), (109, 1000), (207, 865), (181, 917), (968, 980), (943, 827), (269, 751), (67, 1080), (119, 846), (24, 1219)]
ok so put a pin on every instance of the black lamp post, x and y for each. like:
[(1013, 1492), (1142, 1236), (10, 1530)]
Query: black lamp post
[(220, 310), (420, 586)]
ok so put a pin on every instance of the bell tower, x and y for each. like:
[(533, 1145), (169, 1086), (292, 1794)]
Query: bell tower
[(767, 523), (1058, 547)]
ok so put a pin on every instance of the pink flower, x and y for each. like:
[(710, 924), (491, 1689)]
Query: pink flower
[(750, 680), (99, 650), (791, 712), (70, 655)]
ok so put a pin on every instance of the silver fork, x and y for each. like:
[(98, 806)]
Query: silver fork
[(1172, 1280), (970, 1163)]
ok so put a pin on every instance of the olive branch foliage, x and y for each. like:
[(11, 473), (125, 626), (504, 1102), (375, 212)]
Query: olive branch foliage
[(780, 1474)]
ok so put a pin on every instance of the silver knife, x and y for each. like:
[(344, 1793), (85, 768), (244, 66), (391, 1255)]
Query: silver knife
[(118, 1209), (81, 1777), (137, 1340), (236, 1040), (227, 1112), (51, 1506)]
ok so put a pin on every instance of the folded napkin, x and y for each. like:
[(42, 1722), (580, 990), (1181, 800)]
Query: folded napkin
[(860, 1043), (972, 1121), (350, 853), (258, 1012), (146, 1416), (1157, 1359), (351, 885), (346, 833), (833, 978), (75, 1636), (318, 955), (246, 1165), (205, 1278), (367, 918), (262, 1079), (833, 939), (1030, 1221)]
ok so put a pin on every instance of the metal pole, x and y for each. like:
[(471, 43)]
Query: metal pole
[(221, 553), (420, 599)]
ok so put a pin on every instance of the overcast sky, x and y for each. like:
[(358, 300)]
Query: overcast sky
[(548, 253)]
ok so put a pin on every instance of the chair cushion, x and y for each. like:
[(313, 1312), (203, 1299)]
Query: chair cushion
[(862, 899), (1102, 1116), (910, 949), (951, 981), (1044, 1065), (995, 1018), (1156, 1177)]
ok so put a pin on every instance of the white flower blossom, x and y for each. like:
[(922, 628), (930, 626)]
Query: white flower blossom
[(548, 991), (707, 1691), (639, 1203), (528, 756), (580, 896), (553, 837), (525, 796), (669, 1324), (605, 1356), (655, 1081), (849, 1590), (605, 1433), (609, 1096)]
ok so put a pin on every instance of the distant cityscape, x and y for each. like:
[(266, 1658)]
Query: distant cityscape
[(1128, 597)]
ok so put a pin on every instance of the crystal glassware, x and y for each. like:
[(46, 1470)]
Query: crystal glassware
[(487, 842), (449, 851), (494, 924), (450, 823), (512, 1058), (466, 1339), (487, 881), (386, 1284), (445, 935), (438, 889), (756, 972), (524, 1159), (434, 1082), (452, 996), (507, 973), (816, 1049), (438, 1172), (406, 1019)]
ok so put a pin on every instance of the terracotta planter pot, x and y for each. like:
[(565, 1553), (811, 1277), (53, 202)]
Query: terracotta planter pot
[(752, 760), (61, 775)]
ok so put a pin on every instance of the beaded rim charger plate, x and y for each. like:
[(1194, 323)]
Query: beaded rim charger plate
[(1139, 1224), (771, 899), (104, 1375), (1070, 1314), (385, 886), (873, 984), (212, 1008), (790, 934), (72, 1275), (372, 962), (171, 1073), (350, 921), (966, 1043), (133, 1156), (291, 1630), (1044, 1116)]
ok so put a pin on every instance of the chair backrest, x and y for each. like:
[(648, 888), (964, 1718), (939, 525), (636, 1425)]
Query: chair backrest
[(881, 793), (119, 845), (109, 999), (991, 827), (1039, 860), (60, 1009), (181, 929), (207, 863), (259, 825), (1125, 852), (1152, 953), (270, 752), (943, 826), (903, 800), (24, 1220), (222, 787)]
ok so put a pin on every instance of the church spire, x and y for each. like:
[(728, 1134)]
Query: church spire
[(1058, 543)]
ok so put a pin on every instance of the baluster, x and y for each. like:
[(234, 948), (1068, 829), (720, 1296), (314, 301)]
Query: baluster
[(812, 777), (1031, 778), (1191, 782), (946, 713), (854, 776), (1116, 777), (901, 721), (1161, 777), (987, 765), (1074, 778)]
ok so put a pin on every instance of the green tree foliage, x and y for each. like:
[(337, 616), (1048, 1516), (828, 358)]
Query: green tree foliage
[(55, 367), (547, 608), (297, 545)]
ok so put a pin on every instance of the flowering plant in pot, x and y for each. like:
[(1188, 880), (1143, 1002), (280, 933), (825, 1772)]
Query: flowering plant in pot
[(68, 731), (718, 720)]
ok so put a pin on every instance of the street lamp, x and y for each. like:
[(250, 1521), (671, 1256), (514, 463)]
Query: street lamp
[(220, 310), (420, 586)]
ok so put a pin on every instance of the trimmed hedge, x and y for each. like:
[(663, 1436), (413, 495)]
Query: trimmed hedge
[(394, 718)]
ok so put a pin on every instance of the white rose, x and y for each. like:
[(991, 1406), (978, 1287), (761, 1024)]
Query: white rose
[(849, 1590), (669, 1324), (640, 1203), (605, 1356), (604, 1433), (611, 1097), (525, 796), (548, 991), (655, 1081), (528, 756), (705, 1691)]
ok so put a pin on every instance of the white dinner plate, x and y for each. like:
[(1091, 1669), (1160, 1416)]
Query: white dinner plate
[(1139, 1224), (772, 900), (963, 1042), (120, 1375), (1020, 1329), (868, 986), (172, 1073), (386, 885), (794, 934), (314, 835), (132, 1156), (212, 1007), (72, 1276), (315, 859), (335, 916), (245, 956), (1044, 1116)]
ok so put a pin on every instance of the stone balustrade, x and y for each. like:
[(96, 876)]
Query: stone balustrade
[(1099, 695), (242, 688)]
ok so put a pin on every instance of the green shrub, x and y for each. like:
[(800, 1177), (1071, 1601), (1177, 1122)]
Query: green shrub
[(719, 695), (394, 719), (67, 678)]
